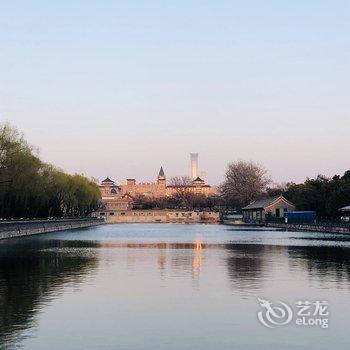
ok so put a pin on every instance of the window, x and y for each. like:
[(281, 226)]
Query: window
[(277, 212), (113, 191), (122, 213), (111, 213), (102, 214)]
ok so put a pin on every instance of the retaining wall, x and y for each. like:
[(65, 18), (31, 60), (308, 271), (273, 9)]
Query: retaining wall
[(312, 227), (25, 228), (154, 216)]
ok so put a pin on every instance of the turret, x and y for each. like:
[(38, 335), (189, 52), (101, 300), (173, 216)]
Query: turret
[(161, 177)]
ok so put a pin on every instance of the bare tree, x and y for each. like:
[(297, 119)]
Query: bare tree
[(244, 182), (181, 186)]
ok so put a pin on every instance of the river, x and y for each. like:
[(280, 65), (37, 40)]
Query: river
[(174, 286)]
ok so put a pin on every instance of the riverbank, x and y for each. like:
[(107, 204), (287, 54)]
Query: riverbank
[(311, 227), (14, 229)]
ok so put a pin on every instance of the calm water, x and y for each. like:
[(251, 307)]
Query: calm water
[(170, 287)]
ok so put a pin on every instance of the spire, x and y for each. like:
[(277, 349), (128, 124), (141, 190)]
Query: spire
[(161, 174)]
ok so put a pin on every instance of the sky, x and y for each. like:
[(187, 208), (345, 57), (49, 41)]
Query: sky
[(120, 88)]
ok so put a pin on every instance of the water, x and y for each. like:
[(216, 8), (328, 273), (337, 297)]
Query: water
[(170, 286)]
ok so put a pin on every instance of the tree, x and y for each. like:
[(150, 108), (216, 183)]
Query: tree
[(31, 188), (323, 194), (244, 183), (182, 192)]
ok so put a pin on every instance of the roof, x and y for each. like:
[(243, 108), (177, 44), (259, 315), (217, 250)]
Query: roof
[(161, 172), (198, 179), (107, 179), (347, 208), (263, 203)]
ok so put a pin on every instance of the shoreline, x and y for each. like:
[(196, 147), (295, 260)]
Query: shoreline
[(19, 228)]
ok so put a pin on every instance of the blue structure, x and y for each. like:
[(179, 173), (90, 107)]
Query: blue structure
[(300, 216)]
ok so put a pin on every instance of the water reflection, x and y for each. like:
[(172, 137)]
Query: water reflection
[(30, 275), (327, 263), (246, 265), (250, 265), (134, 280)]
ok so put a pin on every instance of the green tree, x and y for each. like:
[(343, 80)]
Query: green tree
[(31, 188)]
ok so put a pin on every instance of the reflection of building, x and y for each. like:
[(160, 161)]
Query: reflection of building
[(273, 206)]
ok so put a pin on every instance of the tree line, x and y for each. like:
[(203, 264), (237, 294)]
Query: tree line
[(325, 195), (30, 188), (248, 181)]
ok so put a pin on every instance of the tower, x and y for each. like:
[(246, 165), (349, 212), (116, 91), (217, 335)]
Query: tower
[(194, 165), (161, 177)]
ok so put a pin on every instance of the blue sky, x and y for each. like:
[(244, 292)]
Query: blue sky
[(119, 88)]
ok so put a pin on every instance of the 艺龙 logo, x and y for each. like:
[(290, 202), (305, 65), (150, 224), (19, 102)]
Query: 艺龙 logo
[(272, 316)]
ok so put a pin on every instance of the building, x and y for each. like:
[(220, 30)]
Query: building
[(158, 189), (155, 216), (194, 165), (345, 213), (120, 197), (272, 206), (197, 187), (148, 189), (113, 198)]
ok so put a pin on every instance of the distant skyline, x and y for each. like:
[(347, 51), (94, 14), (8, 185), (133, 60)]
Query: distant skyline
[(120, 88)]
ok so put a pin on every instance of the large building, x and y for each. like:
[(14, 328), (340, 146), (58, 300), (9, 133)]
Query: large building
[(113, 198), (112, 193), (120, 197), (130, 189), (148, 189)]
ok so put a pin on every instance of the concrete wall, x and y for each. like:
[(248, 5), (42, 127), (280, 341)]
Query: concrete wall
[(153, 216), (25, 228)]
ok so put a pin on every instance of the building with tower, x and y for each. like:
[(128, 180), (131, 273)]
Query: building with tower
[(117, 197), (132, 189)]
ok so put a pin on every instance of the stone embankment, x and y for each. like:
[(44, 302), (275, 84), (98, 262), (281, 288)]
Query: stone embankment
[(14, 229), (312, 227), (162, 216)]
